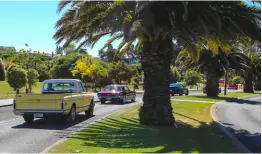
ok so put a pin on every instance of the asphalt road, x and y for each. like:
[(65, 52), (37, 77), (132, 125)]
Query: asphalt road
[(243, 118)]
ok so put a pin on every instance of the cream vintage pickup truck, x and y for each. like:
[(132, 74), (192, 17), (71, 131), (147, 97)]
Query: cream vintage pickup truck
[(63, 98)]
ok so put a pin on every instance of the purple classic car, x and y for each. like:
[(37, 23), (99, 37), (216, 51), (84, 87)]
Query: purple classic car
[(119, 93)]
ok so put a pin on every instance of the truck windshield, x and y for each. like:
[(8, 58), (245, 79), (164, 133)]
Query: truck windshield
[(59, 87)]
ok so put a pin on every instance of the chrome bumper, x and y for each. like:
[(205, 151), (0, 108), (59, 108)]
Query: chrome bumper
[(21, 112)]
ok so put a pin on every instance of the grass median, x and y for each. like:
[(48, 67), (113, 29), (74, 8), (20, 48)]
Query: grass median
[(221, 96), (194, 131)]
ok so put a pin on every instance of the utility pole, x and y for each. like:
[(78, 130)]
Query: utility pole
[(225, 82), (29, 82)]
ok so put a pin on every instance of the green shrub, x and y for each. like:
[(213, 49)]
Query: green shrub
[(174, 74), (32, 76), (16, 77), (192, 77), (237, 80)]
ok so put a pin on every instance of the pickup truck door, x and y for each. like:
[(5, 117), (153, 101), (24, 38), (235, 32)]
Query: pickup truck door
[(85, 98)]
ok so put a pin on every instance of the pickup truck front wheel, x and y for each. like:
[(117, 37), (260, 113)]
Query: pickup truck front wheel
[(90, 111), (28, 119)]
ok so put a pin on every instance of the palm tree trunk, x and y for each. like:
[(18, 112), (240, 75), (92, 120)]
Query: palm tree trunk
[(258, 84), (156, 60), (212, 84), (248, 85)]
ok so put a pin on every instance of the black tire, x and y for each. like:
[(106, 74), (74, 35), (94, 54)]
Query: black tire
[(172, 94), (134, 99), (90, 111), (72, 115), (123, 100), (180, 93), (187, 92), (29, 119), (103, 101)]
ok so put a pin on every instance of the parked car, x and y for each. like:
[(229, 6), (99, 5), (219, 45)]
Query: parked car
[(116, 93), (204, 90), (59, 97), (176, 88)]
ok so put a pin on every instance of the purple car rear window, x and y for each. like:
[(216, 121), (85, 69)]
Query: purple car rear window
[(110, 88)]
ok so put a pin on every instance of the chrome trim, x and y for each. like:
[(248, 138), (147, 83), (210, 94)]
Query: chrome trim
[(83, 106), (21, 112)]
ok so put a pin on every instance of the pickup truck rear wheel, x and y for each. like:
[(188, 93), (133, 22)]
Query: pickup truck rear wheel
[(72, 115), (28, 119)]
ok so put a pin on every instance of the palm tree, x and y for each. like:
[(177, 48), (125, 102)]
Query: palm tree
[(252, 60), (213, 65), (155, 25), (59, 50)]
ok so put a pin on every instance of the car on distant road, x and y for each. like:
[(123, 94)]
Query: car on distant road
[(116, 93), (176, 88), (232, 86), (62, 98)]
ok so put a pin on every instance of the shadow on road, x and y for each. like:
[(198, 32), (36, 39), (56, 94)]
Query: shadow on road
[(251, 141), (242, 101), (51, 124)]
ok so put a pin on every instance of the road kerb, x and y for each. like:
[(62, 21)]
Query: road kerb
[(226, 131)]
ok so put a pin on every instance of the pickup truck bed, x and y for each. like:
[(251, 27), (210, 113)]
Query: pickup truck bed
[(53, 103)]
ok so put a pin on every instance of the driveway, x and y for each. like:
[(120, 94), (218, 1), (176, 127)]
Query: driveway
[(243, 118)]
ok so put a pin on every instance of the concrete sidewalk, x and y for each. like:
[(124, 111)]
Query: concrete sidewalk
[(6, 102)]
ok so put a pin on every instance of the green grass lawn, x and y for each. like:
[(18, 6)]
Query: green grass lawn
[(221, 97), (121, 133), (7, 92)]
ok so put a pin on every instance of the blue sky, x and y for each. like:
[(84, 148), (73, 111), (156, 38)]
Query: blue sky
[(33, 22)]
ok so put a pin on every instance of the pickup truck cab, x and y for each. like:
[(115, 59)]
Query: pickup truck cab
[(62, 98)]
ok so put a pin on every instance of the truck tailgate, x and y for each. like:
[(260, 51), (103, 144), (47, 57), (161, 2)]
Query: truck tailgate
[(39, 101)]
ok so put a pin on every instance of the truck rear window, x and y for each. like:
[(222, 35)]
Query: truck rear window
[(60, 87)]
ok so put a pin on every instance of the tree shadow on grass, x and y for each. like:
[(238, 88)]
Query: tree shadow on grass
[(128, 134)]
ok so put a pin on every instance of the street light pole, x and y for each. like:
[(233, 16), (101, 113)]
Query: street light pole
[(29, 82), (225, 82)]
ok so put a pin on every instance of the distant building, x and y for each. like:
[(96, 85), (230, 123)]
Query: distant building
[(52, 55), (7, 47)]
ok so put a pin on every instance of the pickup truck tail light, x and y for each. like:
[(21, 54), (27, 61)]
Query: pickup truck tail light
[(62, 104), (14, 104)]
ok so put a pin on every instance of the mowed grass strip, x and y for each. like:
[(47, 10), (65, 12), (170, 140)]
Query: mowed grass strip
[(194, 131), (221, 96)]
